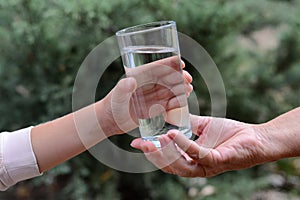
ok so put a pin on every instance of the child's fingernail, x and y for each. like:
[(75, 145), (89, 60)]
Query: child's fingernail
[(133, 143), (145, 149), (172, 134)]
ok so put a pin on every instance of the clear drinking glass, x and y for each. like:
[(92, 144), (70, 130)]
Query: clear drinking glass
[(150, 54)]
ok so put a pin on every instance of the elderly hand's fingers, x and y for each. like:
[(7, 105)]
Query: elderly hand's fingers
[(191, 148), (153, 154), (169, 149), (163, 158), (145, 146), (167, 158), (205, 157), (199, 123), (177, 162), (188, 146)]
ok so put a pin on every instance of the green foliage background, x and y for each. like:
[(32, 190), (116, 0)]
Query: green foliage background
[(44, 42)]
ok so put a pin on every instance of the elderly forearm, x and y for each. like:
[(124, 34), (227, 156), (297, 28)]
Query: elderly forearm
[(282, 135)]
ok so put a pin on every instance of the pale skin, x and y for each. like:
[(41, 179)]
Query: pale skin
[(59, 140), (225, 145)]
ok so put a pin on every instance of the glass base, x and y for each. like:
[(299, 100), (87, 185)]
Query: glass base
[(155, 139)]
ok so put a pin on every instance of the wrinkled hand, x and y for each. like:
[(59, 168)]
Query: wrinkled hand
[(222, 145), (159, 83)]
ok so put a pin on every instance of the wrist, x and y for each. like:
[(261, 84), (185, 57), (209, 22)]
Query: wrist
[(275, 142), (105, 118)]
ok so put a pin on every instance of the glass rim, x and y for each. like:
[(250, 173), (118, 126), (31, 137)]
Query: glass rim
[(147, 27)]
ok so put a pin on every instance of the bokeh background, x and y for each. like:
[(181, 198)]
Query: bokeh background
[(255, 44)]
